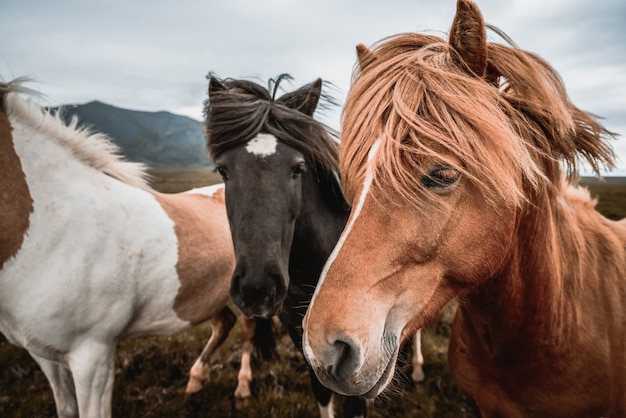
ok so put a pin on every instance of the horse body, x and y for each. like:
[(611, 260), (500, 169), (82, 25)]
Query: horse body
[(454, 152), (93, 259)]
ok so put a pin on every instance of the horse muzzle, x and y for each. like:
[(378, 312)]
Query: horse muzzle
[(349, 368), (259, 295)]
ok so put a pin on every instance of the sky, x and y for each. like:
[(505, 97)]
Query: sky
[(154, 54)]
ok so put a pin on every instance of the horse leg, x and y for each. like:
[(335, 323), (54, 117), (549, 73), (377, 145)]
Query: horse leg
[(323, 395), (418, 358), (93, 366), (221, 324), (244, 377), (354, 406), (60, 379)]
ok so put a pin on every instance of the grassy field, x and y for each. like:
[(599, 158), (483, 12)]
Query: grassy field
[(151, 373), (611, 195), (171, 180)]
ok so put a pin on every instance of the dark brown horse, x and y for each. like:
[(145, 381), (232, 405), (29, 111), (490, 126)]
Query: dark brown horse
[(459, 158)]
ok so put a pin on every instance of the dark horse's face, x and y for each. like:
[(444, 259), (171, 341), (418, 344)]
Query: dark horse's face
[(263, 199), (264, 179)]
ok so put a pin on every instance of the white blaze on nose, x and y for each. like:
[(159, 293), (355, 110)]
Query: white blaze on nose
[(262, 145), (367, 183)]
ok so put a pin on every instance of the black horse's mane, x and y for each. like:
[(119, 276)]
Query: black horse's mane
[(244, 109)]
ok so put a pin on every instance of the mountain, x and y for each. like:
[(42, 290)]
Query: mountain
[(159, 139)]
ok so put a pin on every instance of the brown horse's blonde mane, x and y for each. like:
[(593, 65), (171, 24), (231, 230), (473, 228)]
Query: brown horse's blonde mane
[(508, 133), (514, 134)]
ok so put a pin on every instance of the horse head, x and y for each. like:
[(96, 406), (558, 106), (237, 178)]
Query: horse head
[(258, 149)]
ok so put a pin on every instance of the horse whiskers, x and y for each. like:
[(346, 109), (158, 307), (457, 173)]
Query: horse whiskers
[(307, 285), (301, 307)]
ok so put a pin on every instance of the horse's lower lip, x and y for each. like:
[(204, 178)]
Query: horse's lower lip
[(381, 384), (347, 388), (259, 312), (263, 315)]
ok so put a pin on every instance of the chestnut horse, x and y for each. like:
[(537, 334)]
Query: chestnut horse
[(283, 199), (90, 255), (460, 158)]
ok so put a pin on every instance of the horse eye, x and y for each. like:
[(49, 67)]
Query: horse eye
[(298, 170), (441, 178), (222, 172)]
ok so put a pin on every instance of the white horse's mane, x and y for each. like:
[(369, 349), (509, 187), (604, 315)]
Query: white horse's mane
[(93, 149)]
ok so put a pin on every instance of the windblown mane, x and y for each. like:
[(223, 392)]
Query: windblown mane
[(514, 134), (510, 131), (236, 115), (93, 149)]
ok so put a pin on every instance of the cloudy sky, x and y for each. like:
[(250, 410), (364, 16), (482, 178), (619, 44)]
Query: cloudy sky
[(154, 54)]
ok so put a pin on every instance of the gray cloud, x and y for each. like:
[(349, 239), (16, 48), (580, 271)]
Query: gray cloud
[(152, 55)]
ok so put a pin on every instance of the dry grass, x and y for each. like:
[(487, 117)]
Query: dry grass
[(170, 180), (151, 373), (611, 195)]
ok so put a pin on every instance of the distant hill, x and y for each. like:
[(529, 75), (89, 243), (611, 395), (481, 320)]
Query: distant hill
[(159, 139)]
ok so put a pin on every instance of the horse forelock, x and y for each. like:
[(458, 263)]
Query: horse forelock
[(507, 134), (93, 149), (235, 116)]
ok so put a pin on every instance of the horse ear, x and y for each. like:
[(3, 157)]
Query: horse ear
[(310, 103), (364, 56), (215, 85), (468, 37), (304, 100)]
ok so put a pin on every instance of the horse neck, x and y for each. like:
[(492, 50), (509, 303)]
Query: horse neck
[(317, 230), (15, 200), (563, 255)]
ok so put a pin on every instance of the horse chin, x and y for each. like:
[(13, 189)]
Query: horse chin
[(259, 309), (384, 379), (264, 312)]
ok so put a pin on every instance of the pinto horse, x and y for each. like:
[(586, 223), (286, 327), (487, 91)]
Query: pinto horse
[(284, 201), (460, 160), (90, 255)]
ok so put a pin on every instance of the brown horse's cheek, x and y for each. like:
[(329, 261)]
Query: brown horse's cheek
[(474, 257)]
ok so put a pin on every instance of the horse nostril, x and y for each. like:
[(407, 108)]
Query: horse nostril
[(278, 288), (343, 360)]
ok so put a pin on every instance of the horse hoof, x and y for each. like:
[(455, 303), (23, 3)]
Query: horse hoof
[(417, 375), (193, 385)]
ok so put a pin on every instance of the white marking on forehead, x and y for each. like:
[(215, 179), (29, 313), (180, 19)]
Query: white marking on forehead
[(262, 145), (367, 183)]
